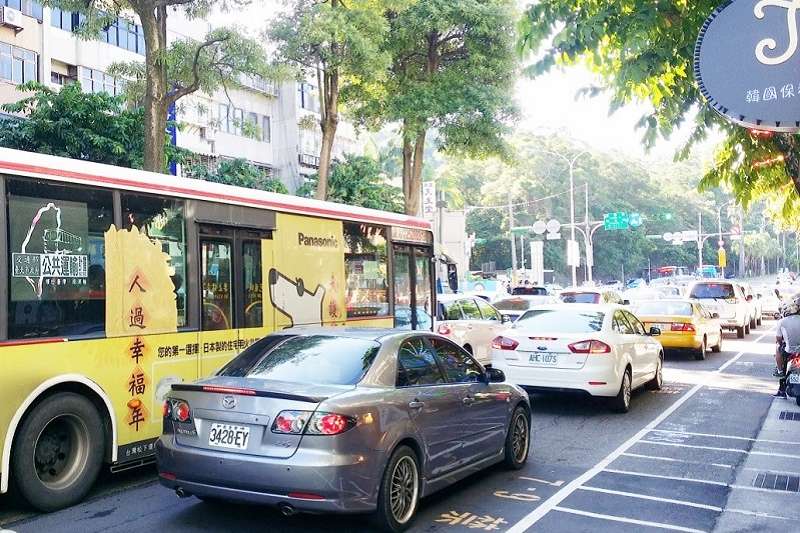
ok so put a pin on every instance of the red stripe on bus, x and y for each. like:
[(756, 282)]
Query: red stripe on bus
[(22, 167), (25, 342)]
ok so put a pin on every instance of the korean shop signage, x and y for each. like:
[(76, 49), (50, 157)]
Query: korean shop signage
[(747, 63)]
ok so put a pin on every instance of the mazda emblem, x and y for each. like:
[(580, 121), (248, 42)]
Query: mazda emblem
[(228, 402)]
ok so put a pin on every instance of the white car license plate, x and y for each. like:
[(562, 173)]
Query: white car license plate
[(794, 379), (543, 359), (228, 436)]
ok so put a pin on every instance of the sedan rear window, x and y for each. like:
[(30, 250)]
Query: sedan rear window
[(722, 291), (529, 291), (315, 359), (513, 304), (664, 308), (580, 298), (559, 321)]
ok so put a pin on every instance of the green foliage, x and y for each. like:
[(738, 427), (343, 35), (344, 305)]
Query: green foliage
[(239, 172), (358, 181), (74, 124), (644, 51)]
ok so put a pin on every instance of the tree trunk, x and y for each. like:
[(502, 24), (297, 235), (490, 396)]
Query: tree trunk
[(408, 161), (329, 94), (154, 24), (415, 179)]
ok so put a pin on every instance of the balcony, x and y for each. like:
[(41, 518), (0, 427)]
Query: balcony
[(308, 160), (262, 85)]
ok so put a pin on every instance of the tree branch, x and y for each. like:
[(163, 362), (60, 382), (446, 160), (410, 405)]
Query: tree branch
[(168, 3), (179, 92)]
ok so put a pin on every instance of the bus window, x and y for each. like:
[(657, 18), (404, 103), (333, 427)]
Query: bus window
[(162, 220), (366, 268), (251, 271), (56, 259), (216, 284)]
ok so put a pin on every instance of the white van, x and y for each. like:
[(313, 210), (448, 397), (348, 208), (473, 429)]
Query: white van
[(726, 298)]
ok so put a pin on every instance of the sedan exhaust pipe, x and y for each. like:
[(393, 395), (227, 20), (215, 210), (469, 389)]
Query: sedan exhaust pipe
[(286, 509), (181, 493)]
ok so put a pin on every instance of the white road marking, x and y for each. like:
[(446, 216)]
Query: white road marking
[(768, 471), (627, 520), (760, 515), (672, 460), (716, 449), (673, 478), (725, 437), (652, 498), (551, 483), (551, 503)]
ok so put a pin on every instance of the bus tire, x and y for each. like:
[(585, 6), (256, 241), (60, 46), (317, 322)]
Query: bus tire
[(58, 452)]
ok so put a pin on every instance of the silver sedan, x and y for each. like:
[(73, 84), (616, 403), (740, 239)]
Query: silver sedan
[(341, 420)]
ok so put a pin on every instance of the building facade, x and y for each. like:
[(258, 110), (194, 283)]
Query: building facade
[(275, 126)]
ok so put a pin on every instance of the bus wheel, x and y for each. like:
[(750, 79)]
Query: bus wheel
[(58, 452)]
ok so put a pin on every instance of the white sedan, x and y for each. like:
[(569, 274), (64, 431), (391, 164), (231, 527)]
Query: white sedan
[(602, 350)]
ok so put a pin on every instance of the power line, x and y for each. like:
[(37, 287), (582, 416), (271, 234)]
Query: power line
[(505, 206)]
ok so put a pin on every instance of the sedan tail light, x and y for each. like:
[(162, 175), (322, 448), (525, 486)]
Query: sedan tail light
[(177, 410), (444, 329), (504, 343), (309, 423), (680, 326), (589, 347)]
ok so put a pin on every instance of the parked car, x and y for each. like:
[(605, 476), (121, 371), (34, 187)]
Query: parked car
[(727, 299), (470, 322), (602, 350), (341, 420), (684, 325), (754, 302), (584, 295)]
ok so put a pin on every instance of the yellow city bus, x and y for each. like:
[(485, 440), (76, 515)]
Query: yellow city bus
[(117, 283)]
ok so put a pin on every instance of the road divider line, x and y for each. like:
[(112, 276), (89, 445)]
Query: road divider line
[(714, 448), (549, 504), (791, 443), (652, 498), (758, 514), (673, 460), (613, 518), (671, 478)]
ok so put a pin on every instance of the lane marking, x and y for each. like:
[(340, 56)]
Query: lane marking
[(672, 460), (725, 437), (652, 498), (672, 478), (551, 483), (767, 470), (714, 448), (758, 514), (549, 504), (627, 520)]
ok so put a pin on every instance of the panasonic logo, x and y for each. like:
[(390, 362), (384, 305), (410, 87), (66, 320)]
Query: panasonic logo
[(318, 242)]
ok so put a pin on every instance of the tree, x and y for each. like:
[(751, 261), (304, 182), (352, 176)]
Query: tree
[(241, 173), (171, 71), (358, 181), (644, 50), (71, 123), (339, 42), (452, 70)]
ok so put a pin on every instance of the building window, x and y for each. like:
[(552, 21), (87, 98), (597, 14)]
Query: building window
[(366, 269), (232, 120), (58, 78), (121, 32), (18, 65), (57, 259), (97, 81), (162, 220), (266, 129), (309, 99), (27, 7)]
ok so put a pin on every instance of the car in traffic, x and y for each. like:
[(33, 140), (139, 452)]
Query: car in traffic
[(754, 302), (341, 420), (583, 295), (725, 298), (470, 322), (684, 325), (513, 307), (597, 349), (770, 301)]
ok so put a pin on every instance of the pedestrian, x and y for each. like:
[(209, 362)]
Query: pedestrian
[(787, 341)]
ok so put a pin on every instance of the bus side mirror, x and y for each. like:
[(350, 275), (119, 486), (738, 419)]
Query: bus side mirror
[(452, 277)]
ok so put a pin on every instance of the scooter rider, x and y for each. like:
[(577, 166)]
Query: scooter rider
[(787, 341)]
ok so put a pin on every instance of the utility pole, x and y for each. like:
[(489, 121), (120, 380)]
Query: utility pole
[(513, 240), (589, 244), (522, 250), (441, 204), (741, 243), (699, 242)]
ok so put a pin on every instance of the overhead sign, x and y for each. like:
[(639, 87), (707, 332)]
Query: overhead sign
[(636, 220), (539, 227), (614, 221), (553, 226), (747, 63)]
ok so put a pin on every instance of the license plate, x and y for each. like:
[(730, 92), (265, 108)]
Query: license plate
[(794, 379), (228, 436), (544, 359)]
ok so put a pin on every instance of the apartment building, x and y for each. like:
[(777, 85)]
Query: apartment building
[(273, 125)]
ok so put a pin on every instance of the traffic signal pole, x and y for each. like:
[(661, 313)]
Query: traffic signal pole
[(513, 240)]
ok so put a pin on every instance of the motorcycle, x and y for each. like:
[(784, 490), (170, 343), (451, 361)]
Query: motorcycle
[(793, 377)]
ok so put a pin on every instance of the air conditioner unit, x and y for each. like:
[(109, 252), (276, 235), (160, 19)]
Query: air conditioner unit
[(208, 133), (11, 18)]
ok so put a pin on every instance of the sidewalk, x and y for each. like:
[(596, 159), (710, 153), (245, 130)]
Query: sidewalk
[(765, 496)]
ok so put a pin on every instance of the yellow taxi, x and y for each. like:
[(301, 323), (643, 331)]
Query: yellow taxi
[(684, 325)]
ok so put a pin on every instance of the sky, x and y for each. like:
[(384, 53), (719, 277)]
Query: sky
[(548, 104)]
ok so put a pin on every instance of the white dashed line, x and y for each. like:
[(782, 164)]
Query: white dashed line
[(725, 437), (673, 460), (627, 520), (653, 498), (716, 449), (672, 478), (552, 502)]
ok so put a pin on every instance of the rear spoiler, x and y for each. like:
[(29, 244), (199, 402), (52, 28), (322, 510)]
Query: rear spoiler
[(248, 392)]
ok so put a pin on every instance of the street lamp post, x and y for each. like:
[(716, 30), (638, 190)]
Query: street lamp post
[(571, 163), (719, 227)]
